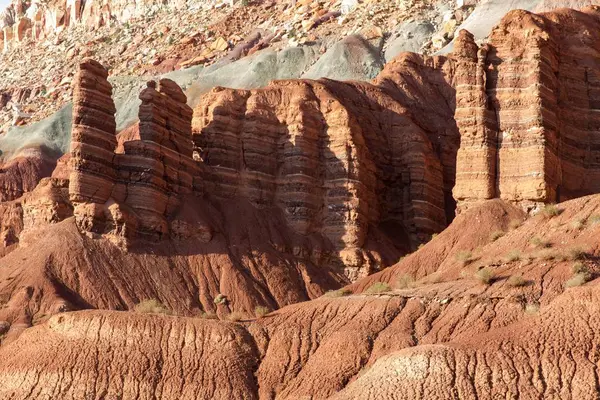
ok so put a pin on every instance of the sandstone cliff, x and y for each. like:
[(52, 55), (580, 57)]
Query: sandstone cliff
[(527, 111)]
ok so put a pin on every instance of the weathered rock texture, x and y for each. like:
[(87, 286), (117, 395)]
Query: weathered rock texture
[(527, 107), (339, 157), (39, 20), (137, 189)]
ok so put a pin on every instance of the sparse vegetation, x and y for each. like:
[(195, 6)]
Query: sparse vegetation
[(594, 219), (496, 235), (579, 268), (547, 255), (540, 242), (220, 299), (515, 223), (338, 293), (378, 287), (485, 275), (576, 253), (464, 257), (578, 279), (434, 236), (261, 311), (151, 306), (236, 316), (405, 281), (550, 211), (532, 308), (208, 315), (513, 255), (420, 246), (516, 281), (578, 224)]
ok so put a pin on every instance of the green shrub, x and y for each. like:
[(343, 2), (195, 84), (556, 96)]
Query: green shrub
[(516, 281), (378, 287), (496, 235), (405, 281), (261, 311), (513, 255), (220, 299), (485, 275), (151, 306)]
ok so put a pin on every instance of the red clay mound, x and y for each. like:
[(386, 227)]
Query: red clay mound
[(383, 343), (127, 355), (550, 356)]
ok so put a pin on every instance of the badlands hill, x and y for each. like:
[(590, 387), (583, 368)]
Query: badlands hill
[(286, 222)]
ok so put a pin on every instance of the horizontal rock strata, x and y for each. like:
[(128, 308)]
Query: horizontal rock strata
[(527, 111), (338, 157), (137, 189)]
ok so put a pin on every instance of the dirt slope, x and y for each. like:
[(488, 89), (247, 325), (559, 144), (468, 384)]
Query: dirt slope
[(400, 343)]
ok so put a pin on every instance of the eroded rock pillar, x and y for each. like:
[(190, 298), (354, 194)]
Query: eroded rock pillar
[(93, 143)]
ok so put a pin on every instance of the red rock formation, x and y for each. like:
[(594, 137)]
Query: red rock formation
[(92, 145), (157, 170), (535, 124), (142, 186), (339, 158)]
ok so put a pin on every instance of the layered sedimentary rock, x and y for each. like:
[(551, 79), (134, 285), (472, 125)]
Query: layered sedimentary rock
[(157, 170), (92, 144), (338, 157), (138, 189), (529, 134)]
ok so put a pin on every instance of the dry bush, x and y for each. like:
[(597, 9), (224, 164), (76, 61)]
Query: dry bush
[(405, 281), (261, 311), (236, 316), (515, 223), (464, 257), (209, 315), (532, 308), (578, 279), (516, 281), (594, 219), (576, 253), (496, 235), (548, 255), (513, 255), (550, 211), (578, 224), (485, 275), (378, 287), (540, 242), (579, 268), (338, 293), (151, 306)]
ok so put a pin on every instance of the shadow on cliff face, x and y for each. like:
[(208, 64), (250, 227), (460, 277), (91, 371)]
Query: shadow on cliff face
[(227, 248)]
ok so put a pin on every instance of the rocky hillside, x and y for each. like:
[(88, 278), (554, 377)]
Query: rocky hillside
[(289, 205)]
